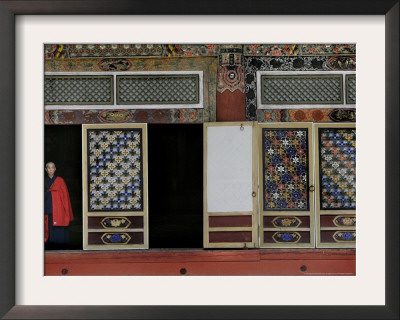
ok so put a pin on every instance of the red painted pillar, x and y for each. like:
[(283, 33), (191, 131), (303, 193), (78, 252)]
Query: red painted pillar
[(231, 101)]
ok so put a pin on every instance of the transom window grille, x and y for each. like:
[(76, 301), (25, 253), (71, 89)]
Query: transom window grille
[(282, 89), (299, 89), (70, 90), (158, 89), (351, 89)]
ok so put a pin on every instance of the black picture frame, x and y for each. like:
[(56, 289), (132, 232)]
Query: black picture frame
[(8, 11)]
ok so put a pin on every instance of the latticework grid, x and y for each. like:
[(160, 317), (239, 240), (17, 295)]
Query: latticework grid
[(158, 89), (78, 90), (351, 89), (299, 89)]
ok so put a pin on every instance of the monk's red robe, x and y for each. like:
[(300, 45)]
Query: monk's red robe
[(62, 210)]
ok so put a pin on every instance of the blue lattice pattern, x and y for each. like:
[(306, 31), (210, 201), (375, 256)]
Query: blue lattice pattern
[(285, 169), (115, 170), (338, 168)]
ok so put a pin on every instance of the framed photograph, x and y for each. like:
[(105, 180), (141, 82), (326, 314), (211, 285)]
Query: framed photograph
[(27, 27)]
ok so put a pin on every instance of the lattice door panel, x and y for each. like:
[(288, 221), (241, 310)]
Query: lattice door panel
[(230, 185), (286, 185), (115, 186), (336, 187)]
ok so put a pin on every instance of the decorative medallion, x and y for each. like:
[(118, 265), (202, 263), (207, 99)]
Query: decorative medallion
[(115, 116), (114, 64), (337, 156), (344, 221), (285, 169), (115, 222), (286, 222), (343, 115), (115, 238), (344, 236), (345, 63), (115, 170), (286, 237), (230, 78)]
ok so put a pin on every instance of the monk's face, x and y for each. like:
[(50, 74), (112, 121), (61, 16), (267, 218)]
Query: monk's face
[(50, 169)]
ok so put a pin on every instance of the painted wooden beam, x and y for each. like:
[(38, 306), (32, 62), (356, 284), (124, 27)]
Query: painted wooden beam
[(276, 262)]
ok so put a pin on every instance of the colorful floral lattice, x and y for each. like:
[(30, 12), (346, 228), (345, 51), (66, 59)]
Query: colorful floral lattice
[(285, 153), (115, 170), (337, 158)]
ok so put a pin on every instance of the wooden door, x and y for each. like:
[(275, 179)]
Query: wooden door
[(230, 185), (115, 186), (286, 185), (336, 184)]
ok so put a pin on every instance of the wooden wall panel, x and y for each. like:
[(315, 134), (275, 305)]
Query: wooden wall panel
[(277, 262), (231, 106)]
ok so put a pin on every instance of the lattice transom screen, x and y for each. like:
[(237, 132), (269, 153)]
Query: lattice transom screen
[(158, 89), (78, 90), (301, 89), (351, 89)]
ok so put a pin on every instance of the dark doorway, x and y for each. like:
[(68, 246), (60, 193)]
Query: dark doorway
[(63, 146), (175, 170)]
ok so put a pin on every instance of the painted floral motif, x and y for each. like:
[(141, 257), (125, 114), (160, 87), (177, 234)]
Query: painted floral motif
[(286, 237), (337, 168), (285, 169), (286, 222), (115, 238), (115, 222), (344, 221), (340, 236), (115, 170)]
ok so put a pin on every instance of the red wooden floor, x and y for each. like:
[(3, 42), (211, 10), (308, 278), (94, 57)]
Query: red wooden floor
[(274, 262)]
